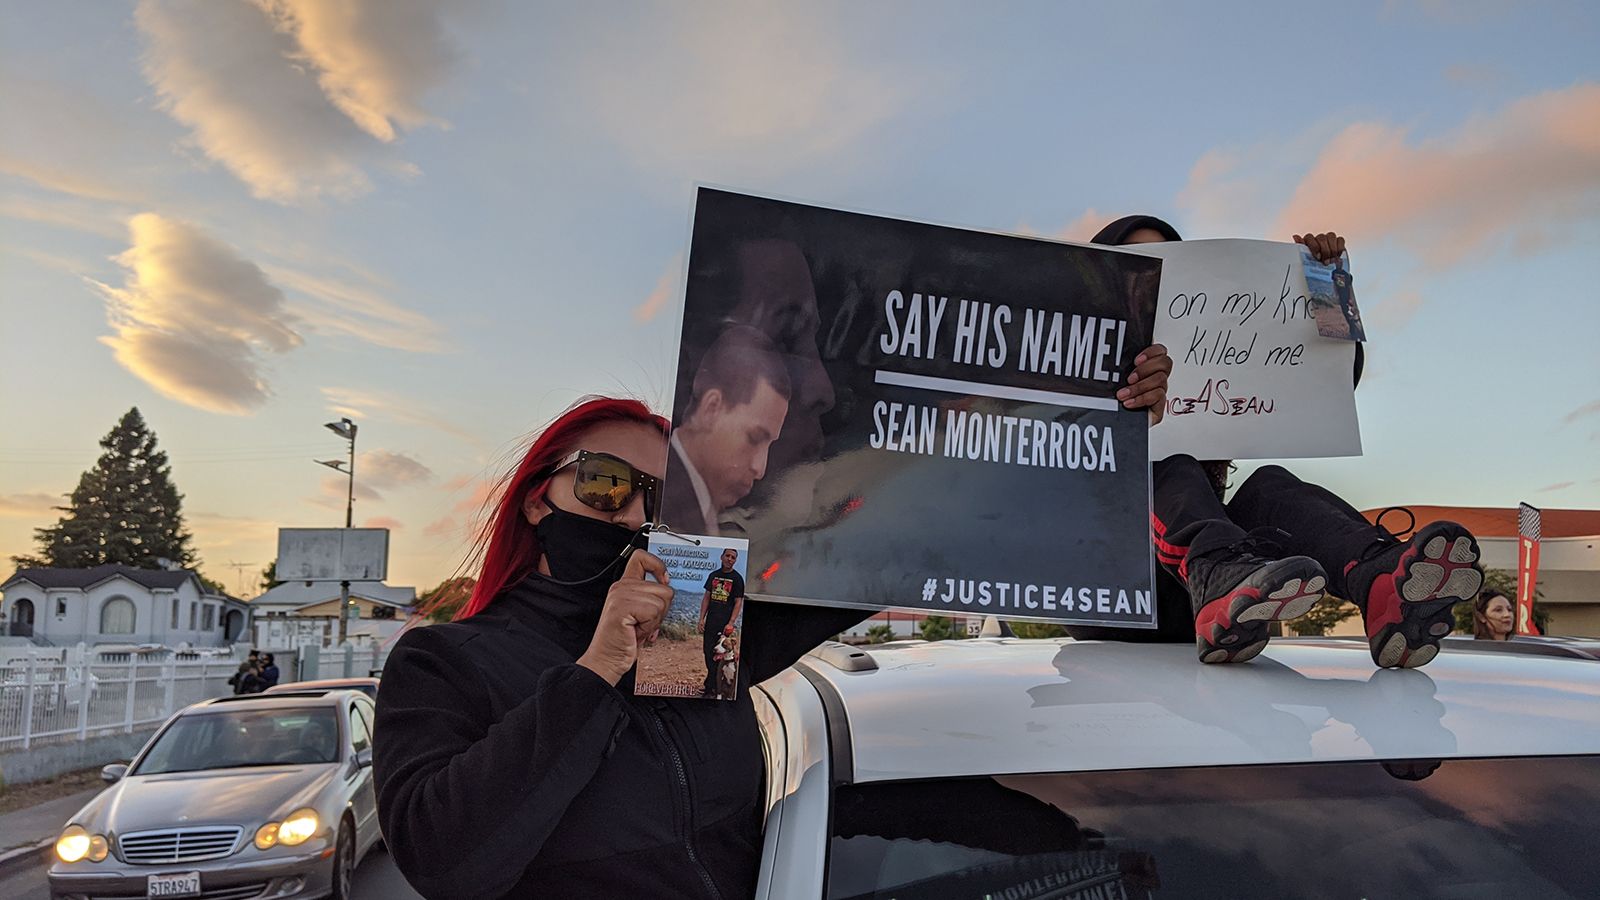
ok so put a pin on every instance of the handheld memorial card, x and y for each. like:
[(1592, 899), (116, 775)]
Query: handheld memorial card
[(1333, 298), (696, 652)]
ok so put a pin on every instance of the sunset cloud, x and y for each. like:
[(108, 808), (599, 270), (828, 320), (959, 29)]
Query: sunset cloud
[(768, 85), (384, 469), (30, 505), (388, 522), (1510, 180), (1588, 409), (295, 99), (358, 310), (663, 293), (194, 319), (360, 403)]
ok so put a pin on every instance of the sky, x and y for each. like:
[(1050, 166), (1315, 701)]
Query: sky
[(251, 217)]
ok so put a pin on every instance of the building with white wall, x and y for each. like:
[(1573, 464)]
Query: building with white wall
[(117, 604), (296, 614)]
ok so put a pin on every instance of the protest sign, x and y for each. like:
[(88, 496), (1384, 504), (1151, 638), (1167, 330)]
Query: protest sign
[(903, 414), (697, 651), (1251, 377)]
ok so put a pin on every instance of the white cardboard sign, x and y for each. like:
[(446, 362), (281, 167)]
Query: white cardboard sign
[(1251, 377)]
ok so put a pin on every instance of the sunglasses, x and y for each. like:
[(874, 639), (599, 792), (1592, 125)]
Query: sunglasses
[(607, 483)]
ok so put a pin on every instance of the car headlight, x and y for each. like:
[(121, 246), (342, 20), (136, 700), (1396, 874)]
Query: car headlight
[(267, 836), (76, 843), (298, 827)]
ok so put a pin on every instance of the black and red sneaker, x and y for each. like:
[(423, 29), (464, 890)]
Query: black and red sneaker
[(1236, 593), (1407, 593)]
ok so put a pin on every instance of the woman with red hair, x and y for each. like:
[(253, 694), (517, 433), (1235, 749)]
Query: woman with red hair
[(511, 756)]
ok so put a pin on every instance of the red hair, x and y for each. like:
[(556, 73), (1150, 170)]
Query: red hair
[(508, 546)]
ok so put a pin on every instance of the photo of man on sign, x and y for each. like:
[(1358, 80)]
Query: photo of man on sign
[(887, 409), (737, 410)]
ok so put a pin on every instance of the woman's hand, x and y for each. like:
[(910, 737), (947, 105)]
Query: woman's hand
[(633, 612), (1147, 385), (1326, 247)]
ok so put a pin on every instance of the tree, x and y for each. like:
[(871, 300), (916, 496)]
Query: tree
[(1328, 612), (878, 634), (1037, 630), (937, 628), (125, 510), (1504, 583), (269, 577), (441, 603)]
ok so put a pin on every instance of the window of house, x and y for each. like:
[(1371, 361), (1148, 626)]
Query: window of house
[(118, 616), (61, 607), (174, 612), (208, 619), (194, 611)]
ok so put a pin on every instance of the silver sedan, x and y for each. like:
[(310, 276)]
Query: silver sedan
[(255, 796)]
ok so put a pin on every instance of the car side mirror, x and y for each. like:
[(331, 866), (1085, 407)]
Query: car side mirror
[(113, 773), (363, 758)]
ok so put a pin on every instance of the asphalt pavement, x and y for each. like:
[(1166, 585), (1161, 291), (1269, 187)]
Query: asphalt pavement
[(376, 879)]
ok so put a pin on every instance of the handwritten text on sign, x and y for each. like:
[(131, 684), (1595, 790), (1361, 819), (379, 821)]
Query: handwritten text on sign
[(1251, 377)]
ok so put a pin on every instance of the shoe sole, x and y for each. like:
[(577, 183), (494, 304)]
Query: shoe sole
[(1411, 609), (1233, 627)]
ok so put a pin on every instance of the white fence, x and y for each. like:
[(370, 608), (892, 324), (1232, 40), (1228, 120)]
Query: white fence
[(345, 661), (44, 700)]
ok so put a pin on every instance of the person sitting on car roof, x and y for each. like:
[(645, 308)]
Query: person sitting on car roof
[(1229, 570)]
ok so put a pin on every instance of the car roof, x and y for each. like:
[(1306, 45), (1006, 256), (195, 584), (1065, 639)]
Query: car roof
[(322, 684), (281, 700), (1008, 706)]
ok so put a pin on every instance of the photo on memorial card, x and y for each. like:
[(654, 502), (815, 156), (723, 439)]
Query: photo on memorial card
[(697, 651), (888, 410), (1332, 298)]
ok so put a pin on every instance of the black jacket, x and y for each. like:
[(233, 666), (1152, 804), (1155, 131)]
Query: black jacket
[(506, 770)]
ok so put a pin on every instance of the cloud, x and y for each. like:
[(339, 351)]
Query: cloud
[(388, 522), (359, 403), (1558, 486), (445, 527), (384, 470), (663, 293), (295, 99), (359, 311), (1588, 409), (1527, 170), (194, 319), (56, 137), (72, 214), (768, 86), (29, 505), (375, 59), (1078, 231)]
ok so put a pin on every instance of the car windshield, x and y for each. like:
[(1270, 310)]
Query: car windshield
[(1486, 828), (244, 737)]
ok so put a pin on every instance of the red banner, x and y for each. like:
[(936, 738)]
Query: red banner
[(1527, 577)]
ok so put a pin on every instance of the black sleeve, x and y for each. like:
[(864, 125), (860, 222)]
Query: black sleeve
[(710, 575), (777, 634), (738, 587), (466, 802)]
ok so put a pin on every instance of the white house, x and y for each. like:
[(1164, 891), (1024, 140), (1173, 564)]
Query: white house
[(295, 614), (117, 604)]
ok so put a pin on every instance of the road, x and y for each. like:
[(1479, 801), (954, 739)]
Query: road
[(376, 879)]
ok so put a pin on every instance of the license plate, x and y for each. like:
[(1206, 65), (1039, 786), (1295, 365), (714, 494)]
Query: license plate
[(185, 884)]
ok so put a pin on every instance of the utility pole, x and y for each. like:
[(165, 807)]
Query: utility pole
[(346, 429)]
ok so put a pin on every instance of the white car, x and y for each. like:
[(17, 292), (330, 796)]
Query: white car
[(1000, 768)]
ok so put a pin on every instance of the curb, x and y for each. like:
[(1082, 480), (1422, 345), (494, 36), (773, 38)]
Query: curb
[(19, 857)]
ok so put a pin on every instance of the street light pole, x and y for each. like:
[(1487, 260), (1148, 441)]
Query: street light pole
[(346, 429)]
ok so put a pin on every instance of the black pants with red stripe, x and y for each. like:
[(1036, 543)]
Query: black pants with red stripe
[(1190, 519)]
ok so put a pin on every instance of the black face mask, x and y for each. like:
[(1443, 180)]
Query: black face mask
[(582, 552)]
